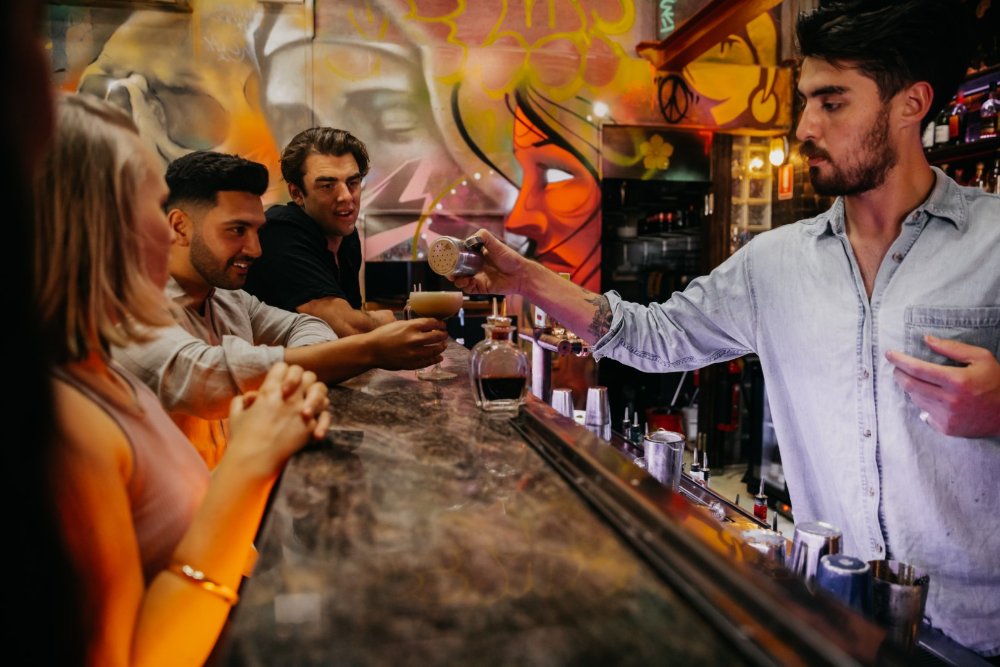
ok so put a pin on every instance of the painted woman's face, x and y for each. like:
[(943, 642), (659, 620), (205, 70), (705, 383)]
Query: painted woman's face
[(559, 206)]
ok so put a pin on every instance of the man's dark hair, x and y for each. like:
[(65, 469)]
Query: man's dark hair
[(320, 141), (896, 43), (198, 177)]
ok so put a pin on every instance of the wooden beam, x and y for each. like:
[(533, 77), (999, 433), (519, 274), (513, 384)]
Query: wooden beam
[(713, 23)]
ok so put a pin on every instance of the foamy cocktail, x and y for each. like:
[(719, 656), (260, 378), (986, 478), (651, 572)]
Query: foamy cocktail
[(435, 304), (439, 305)]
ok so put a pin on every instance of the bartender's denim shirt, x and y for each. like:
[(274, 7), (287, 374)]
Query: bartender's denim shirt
[(854, 450)]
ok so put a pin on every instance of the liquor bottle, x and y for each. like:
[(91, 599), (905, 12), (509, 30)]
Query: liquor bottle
[(500, 371), (491, 321), (626, 425), (956, 121), (941, 127), (989, 114), (695, 470), (636, 432), (979, 180), (706, 472), (927, 138), (760, 503), (994, 184)]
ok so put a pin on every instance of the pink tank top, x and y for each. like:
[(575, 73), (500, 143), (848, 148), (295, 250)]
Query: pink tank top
[(169, 479)]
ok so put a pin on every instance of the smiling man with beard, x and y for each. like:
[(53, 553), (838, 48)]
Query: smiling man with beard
[(226, 339)]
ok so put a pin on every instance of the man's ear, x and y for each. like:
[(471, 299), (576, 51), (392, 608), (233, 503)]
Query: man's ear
[(916, 103), (296, 193), (181, 225)]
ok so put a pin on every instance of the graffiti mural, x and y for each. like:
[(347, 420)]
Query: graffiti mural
[(485, 113)]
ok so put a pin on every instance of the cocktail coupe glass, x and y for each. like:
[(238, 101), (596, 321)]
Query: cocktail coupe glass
[(439, 305)]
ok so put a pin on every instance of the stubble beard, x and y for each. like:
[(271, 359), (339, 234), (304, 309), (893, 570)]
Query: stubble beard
[(207, 266), (878, 158)]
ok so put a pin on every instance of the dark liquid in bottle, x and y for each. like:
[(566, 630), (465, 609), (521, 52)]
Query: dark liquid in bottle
[(500, 388)]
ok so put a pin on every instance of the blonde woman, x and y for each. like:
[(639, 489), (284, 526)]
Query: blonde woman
[(160, 544)]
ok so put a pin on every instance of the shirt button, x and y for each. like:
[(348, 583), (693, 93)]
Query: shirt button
[(871, 491), (867, 433), (865, 373), (880, 548), (897, 257)]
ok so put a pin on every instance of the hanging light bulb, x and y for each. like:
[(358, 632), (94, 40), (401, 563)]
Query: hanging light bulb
[(779, 151)]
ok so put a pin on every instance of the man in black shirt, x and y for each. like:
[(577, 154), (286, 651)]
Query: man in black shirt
[(311, 249)]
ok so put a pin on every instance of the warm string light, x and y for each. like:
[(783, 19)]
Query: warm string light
[(778, 151)]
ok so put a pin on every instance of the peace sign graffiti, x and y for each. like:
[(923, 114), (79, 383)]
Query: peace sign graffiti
[(675, 98)]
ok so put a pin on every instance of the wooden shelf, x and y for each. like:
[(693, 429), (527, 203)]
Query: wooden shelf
[(983, 148)]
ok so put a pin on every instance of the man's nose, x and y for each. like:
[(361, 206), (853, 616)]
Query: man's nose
[(806, 129), (251, 247), (342, 192)]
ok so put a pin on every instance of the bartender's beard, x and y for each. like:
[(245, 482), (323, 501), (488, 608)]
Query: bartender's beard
[(875, 157)]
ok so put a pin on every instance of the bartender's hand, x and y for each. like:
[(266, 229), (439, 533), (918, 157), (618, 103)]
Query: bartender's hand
[(962, 401), (502, 271)]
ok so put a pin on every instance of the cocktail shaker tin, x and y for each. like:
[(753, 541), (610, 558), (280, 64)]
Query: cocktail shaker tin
[(452, 257), (812, 541)]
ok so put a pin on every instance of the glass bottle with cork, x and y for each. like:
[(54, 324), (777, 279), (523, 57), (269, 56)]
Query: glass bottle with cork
[(500, 370)]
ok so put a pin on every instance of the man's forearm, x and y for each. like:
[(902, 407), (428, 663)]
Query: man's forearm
[(583, 312), (342, 318)]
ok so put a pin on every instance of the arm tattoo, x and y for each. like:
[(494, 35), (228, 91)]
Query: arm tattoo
[(601, 324)]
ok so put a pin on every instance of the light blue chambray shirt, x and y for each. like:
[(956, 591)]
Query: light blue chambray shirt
[(854, 450)]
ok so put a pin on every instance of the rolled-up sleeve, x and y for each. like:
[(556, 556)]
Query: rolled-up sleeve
[(712, 320), (274, 326), (193, 377)]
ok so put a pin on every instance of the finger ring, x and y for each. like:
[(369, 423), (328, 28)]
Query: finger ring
[(924, 416)]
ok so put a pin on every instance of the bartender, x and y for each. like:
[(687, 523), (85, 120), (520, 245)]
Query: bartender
[(877, 323)]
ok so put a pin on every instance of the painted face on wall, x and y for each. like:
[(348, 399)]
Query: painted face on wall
[(185, 88), (559, 205)]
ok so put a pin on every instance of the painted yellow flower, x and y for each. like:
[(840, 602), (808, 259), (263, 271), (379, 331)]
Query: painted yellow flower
[(656, 153)]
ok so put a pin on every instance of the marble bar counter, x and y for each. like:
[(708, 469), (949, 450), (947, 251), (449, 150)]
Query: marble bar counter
[(425, 532)]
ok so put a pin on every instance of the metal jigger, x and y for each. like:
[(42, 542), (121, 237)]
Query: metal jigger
[(598, 410), (562, 401)]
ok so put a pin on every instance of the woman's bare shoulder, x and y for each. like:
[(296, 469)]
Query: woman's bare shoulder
[(87, 431)]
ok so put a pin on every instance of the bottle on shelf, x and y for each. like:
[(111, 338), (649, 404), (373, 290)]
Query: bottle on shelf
[(994, 181), (989, 114), (941, 127), (979, 179), (957, 120), (927, 138)]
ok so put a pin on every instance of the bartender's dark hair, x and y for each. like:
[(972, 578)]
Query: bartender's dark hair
[(320, 141), (896, 43), (198, 177)]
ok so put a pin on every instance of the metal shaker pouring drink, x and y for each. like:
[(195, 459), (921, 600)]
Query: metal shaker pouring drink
[(452, 257)]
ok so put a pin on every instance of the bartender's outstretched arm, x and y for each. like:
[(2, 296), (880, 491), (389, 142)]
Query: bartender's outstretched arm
[(583, 312)]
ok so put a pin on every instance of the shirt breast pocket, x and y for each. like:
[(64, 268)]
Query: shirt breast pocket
[(978, 325)]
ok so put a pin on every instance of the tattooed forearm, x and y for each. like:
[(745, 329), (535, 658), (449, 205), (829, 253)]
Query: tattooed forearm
[(601, 323)]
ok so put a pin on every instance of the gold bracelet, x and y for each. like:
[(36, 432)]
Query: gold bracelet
[(198, 578)]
